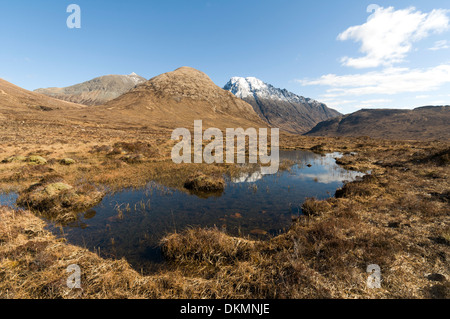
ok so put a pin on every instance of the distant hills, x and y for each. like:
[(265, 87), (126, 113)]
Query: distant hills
[(423, 123), (168, 101), (175, 99), (280, 108), (96, 91), (277, 108), (15, 100)]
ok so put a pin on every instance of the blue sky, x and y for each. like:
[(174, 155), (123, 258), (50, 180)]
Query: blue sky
[(397, 56)]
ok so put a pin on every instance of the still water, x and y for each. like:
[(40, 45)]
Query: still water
[(131, 223)]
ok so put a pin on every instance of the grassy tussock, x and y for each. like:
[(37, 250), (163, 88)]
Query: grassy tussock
[(53, 198), (206, 246), (200, 182), (312, 207)]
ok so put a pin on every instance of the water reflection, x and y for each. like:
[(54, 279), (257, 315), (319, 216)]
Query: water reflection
[(247, 178), (131, 223), (8, 199)]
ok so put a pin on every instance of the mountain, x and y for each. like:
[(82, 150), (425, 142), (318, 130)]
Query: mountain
[(17, 101), (424, 123), (177, 98), (96, 91), (280, 108)]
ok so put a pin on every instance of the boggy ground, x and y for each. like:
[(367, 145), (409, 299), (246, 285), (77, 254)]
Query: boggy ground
[(397, 218), (60, 168)]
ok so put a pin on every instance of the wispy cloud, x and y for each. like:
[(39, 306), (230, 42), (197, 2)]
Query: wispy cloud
[(387, 82), (440, 45), (376, 101), (385, 39), (388, 35)]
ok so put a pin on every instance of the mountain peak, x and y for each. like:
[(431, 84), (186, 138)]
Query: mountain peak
[(189, 73), (245, 87), (96, 91), (254, 87), (185, 82), (279, 107), (136, 79), (182, 96)]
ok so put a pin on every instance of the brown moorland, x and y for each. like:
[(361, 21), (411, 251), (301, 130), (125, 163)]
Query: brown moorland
[(397, 217)]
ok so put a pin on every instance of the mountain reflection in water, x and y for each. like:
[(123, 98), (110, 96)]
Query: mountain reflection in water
[(131, 223)]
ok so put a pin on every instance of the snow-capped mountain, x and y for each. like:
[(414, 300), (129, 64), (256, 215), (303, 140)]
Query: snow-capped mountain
[(96, 91), (279, 107), (250, 87), (137, 79)]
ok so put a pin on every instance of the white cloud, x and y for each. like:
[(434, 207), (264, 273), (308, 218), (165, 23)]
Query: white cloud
[(388, 81), (388, 35), (439, 102), (440, 45), (338, 104), (376, 101)]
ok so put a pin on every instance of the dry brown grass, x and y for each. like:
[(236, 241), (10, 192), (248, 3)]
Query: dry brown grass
[(398, 218), (200, 182), (33, 265), (388, 218)]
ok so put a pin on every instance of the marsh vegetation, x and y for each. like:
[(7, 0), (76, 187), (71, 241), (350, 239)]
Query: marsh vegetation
[(397, 218)]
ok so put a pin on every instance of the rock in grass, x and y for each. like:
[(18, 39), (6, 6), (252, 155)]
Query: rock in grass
[(67, 161), (39, 160), (56, 188), (203, 183), (14, 159), (56, 200)]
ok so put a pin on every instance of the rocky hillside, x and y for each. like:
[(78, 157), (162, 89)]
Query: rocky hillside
[(96, 91), (280, 108), (424, 123), (177, 98)]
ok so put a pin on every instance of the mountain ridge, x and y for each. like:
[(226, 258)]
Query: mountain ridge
[(279, 107), (96, 91), (180, 97), (422, 123)]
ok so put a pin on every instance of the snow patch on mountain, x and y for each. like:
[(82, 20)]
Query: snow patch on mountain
[(135, 78), (253, 87)]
